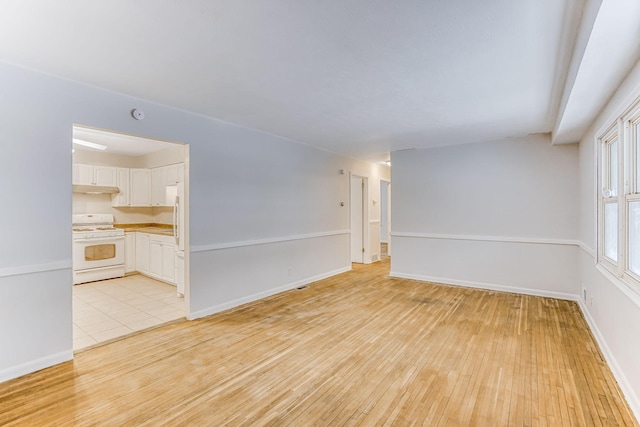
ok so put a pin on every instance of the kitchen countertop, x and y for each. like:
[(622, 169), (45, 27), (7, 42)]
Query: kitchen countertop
[(151, 228)]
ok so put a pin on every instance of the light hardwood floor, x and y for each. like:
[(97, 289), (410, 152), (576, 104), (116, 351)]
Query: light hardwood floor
[(356, 349)]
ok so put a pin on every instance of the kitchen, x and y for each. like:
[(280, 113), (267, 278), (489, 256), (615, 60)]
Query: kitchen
[(128, 234)]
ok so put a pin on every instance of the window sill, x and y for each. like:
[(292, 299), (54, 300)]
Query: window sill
[(629, 290)]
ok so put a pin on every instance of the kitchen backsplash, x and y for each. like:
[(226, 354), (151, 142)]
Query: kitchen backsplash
[(101, 203)]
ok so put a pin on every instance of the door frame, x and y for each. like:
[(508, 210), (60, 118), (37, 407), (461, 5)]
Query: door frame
[(388, 204), (366, 254), (186, 201)]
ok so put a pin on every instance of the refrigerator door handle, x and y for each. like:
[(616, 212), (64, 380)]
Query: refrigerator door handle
[(176, 229), (175, 221)]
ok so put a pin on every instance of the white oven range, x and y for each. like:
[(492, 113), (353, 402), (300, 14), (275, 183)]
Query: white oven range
[(98, 248)]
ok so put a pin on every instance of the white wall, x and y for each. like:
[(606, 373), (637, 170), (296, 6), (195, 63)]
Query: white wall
[(265, 212), (497, 215), (614, 313)]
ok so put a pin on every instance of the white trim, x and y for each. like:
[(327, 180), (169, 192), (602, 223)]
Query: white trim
[(587, 249), (627, 390), (35, 268), (229, 245), (487, 286), (631, 101), (531, 240), (374, 221), (35, 365), (264, 294), (630, 293)]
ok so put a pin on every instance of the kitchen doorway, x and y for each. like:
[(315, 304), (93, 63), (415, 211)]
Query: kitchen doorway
[(130, 238)]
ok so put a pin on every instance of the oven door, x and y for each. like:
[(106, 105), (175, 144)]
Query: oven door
[(98, 252)]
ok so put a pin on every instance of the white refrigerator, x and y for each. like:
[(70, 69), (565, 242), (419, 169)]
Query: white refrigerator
[(178, 234)]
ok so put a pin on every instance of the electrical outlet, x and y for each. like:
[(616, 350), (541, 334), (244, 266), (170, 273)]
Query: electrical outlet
[(584, 294)]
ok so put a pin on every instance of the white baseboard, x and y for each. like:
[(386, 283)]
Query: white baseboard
[(487, 286), (632, 399), (264, 294), (35, 365)]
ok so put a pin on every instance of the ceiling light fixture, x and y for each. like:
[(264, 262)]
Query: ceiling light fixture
[(89, 144)]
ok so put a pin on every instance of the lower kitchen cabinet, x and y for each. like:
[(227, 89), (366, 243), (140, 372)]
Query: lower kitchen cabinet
[(158, 256), (153, 255), (169, 263), (129, 252), (142, 253)]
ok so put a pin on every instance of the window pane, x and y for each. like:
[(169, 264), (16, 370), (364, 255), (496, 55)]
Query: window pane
[(634, 237), (613, 168), (611, 231), (637, 142)]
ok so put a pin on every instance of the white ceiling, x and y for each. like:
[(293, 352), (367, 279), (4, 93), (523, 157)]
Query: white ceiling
[(358, 77)]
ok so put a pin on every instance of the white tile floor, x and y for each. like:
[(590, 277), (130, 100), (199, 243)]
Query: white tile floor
[(109, 309)]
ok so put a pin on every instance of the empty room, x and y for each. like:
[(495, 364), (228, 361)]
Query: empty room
[(320, 213)]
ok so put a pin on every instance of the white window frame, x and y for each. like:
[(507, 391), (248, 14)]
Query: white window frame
[(632, 187), (623, 131), (604, 186)]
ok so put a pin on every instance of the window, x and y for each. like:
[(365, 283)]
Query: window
[(619, 199), (609, 197)]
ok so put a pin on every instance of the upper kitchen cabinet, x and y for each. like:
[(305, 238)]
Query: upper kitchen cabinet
[(82, 174), (163, 177), (123, 198), (140, 187), (94, 175), (105, 175), (158, 186), (174, 174)]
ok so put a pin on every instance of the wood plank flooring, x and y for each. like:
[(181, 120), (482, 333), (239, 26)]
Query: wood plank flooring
[(357, 349)]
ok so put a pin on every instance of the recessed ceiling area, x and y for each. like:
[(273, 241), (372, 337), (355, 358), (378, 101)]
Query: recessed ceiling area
[(361, 78), (118, 143)]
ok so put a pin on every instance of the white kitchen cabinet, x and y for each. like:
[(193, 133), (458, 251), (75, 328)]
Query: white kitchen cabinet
[(155, 256), (158, 186), (105, 175), (94, 175), (162, 257), (129, 252), (163, 177), (123, 197), (174, 174), (82, 174), (142, 253), (169, 262), (140, 187)]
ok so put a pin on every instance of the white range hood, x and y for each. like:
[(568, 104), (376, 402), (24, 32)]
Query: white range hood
[(95, 189)]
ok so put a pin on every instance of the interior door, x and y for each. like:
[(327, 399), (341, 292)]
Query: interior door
[(384, 212), (389, 219), (357, 223)]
